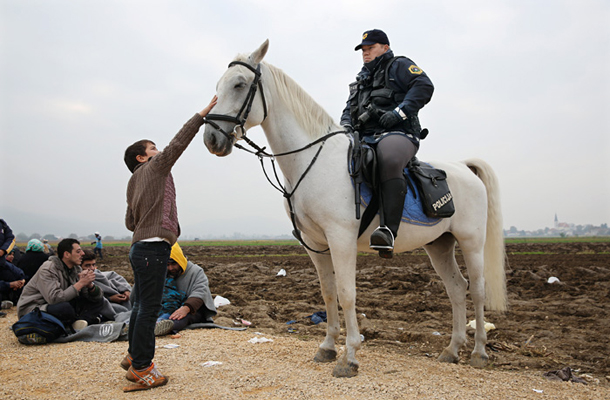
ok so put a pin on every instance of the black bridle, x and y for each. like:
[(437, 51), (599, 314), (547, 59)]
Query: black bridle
[(240, 121), (242, 116)]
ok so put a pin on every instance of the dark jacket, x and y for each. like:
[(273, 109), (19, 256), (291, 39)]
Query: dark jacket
[(406, 87), (31, 261), (6, 238), (9, 273)]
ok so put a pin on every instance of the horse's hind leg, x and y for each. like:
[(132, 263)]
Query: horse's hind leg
[(474, 259), (327, 351), (442, 255)]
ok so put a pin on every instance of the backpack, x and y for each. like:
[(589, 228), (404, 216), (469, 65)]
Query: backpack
[(38, 327)]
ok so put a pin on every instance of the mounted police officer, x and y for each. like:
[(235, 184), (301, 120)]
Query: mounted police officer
[(382, 106)]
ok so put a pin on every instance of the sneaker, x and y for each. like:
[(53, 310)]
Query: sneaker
[(124, 331), (6, 304), (32, 338), (2, 314), (144, 379), (79, 325), (164, 327), (126, 362)]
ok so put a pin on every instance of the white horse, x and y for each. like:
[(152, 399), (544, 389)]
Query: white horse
[(252, 93)]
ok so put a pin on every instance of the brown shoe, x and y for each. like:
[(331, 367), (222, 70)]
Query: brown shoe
[(126, 362), (146, 379)]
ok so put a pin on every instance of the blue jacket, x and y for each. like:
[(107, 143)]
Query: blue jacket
[(9, 273), (6, 238)]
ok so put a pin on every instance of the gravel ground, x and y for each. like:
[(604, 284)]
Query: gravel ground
[(282, 369)]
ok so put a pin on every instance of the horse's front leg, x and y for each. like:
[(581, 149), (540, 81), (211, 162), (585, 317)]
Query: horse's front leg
[(327, 351), (344, 254)]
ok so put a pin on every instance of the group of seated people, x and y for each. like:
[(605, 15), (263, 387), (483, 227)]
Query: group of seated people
[(70, 287)]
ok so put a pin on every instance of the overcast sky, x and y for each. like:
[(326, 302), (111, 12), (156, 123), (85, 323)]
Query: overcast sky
[(524, 85)]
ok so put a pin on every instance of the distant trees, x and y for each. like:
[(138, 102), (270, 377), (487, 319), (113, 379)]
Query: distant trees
[(22, 237)]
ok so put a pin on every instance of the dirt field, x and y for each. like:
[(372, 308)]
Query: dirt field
[(402, 302), (404, 311)]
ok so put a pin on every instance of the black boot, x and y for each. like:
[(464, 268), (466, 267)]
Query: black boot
[(393, 194)]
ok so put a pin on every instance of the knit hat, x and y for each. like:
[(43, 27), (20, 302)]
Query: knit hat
[(35, 245), (178, 256)]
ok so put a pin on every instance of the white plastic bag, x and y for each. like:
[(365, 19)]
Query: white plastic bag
[(221, 301)]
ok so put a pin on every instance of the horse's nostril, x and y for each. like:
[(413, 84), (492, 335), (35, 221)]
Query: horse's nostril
[(213, 140)]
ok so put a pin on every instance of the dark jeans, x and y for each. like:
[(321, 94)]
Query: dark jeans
[(149, 264), (12, 295), (69, 311), (98, 253), (202, 315)]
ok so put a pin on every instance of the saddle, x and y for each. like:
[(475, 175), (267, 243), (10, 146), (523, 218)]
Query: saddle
[(428, 185)]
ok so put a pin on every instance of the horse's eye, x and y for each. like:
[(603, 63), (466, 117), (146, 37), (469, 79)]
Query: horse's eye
[(239, 85)]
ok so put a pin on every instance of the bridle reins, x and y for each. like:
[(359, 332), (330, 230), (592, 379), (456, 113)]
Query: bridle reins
[(240, 120)]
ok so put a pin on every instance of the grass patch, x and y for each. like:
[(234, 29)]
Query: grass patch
[(592, 239), (292, 242), (528, 253), (210, 243), (205, 243), (252, 255)]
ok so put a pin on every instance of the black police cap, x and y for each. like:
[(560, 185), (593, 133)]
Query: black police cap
[(373, 36)]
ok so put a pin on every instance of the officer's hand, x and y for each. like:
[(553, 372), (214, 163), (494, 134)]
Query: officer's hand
[(348, 128), (390, 119)]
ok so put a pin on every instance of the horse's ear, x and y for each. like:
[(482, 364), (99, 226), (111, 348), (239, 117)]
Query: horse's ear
[(257, 56)]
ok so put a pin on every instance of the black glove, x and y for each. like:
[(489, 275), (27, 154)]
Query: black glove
[(348, 128), (390, 119)]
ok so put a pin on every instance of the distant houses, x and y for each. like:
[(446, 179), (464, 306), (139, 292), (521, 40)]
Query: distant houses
[(561, 229)]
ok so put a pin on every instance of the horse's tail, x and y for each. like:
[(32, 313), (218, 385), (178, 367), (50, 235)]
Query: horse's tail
[(495, 256)]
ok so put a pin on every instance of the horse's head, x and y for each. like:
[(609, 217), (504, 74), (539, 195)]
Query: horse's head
[(241, 103)]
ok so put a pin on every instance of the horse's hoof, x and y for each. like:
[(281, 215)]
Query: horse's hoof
[(345, 369), (447, 357), (325, 356), (478, 360)]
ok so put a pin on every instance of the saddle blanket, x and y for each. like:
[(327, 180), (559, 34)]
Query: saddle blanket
[(413, 212)]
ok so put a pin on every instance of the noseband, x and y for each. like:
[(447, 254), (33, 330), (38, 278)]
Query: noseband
[(240, 119)]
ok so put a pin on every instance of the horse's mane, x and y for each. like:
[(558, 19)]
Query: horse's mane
[(308, 113)]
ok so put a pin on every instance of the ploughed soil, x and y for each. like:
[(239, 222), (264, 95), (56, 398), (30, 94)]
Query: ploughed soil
[(402, 304)]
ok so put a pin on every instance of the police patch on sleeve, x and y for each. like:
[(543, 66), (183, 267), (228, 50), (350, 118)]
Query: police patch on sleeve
[(415, 70)]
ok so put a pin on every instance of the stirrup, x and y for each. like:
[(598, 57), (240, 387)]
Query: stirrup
[(382, 239)]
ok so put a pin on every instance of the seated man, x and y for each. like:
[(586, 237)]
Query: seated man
[(12, 280), (63, 289), (115, 288), (190, 285)]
